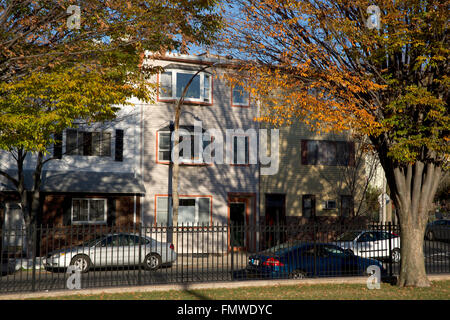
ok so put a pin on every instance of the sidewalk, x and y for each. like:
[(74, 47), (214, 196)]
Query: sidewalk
[(194, 286)]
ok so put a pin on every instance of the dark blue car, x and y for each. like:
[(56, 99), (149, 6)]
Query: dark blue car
[(301, 260)]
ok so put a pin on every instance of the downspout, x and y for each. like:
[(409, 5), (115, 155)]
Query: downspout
[(134, 209), (141, 153)]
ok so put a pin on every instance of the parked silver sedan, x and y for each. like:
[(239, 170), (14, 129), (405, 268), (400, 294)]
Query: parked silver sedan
[(371, 244), (120, 249)]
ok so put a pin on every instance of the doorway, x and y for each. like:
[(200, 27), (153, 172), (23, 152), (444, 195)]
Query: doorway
[(275, 219), (241, 214), (238, 213), (309, 206)]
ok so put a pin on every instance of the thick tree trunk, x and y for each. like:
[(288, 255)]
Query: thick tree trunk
[(412, 267), (413, 188)]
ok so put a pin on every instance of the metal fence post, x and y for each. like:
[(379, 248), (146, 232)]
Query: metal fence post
[(315, 248), (140, 255), (232, 249), (34, 241), (390, 249)]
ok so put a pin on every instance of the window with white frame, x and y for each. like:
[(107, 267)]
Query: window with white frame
[(88, 211), (164, 149), (173, 82), (191, 146), (240, 96), (192, 211), (329, 204)]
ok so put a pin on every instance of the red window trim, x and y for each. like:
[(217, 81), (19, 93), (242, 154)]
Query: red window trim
[(194, 103), (238, 105)]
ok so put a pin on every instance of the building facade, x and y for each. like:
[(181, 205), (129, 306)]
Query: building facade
[(120, 174), (210, 192), (93, 181)]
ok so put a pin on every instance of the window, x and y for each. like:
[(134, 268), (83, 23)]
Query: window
[(191, 146), (173, 83), (164, 146), (346, 206), (329, 205), (367, 236), (240, 97), (131, 240), (192, 211), (332, 250), (88, 143), (163, 210), (330, 153), (309, 205), (240, 150), (88, 211)]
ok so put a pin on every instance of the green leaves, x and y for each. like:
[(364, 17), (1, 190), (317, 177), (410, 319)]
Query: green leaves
[(53, 76), (417, 122), (36, 107)]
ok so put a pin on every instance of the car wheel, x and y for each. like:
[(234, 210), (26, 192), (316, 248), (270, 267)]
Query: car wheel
[(395, 255), (82, 262), (152, 262), (297, 274), (430, 235)]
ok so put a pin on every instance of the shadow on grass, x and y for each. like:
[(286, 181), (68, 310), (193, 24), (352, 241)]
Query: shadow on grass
[(194, 293)]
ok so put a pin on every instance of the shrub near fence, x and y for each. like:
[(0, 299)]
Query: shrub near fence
[(140, 255)]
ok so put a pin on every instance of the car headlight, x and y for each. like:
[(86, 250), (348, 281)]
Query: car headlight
[(58, 255)]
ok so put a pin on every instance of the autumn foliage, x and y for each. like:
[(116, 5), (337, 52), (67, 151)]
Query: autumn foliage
[(321, 63)]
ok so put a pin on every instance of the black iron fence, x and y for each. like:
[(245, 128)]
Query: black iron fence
[(92, 256)]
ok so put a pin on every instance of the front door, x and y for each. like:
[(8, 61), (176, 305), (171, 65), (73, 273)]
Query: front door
[(275, 219), (238, 219)]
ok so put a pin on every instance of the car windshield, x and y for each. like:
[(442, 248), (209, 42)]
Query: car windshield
[(348, 236)]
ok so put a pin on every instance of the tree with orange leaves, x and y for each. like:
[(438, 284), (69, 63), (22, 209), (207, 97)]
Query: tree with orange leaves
[(378, 68)]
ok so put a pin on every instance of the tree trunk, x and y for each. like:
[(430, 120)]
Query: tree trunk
[(175, 173), (413, 188)]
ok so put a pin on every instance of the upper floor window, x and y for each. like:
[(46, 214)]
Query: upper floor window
[(240, 150), (173, 83), (330, 153), (191, 146), (88, 143), (239, 96)]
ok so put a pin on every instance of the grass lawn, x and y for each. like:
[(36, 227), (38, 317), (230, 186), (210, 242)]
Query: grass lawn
[(439, 290)]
